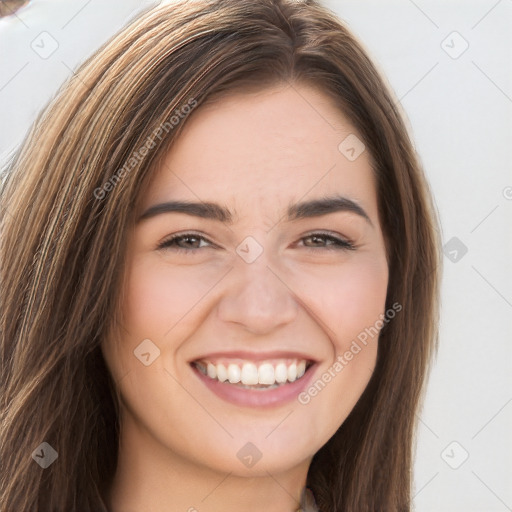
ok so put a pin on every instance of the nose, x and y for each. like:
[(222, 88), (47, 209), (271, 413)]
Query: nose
[(257, 298)]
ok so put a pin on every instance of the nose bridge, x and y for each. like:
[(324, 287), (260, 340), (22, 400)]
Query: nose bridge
[(256, 296)]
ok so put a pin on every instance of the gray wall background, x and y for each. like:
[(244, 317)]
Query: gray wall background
[(450, 65)]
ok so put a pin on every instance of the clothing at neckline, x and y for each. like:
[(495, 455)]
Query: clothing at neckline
[(307, 501)]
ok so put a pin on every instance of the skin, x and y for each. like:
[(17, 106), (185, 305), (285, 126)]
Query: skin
[(254, 153)]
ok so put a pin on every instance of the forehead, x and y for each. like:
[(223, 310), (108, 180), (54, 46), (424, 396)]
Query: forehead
[(262, 150)]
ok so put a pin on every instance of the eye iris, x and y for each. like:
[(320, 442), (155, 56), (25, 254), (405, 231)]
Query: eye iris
[(317, 238), (189, 238)]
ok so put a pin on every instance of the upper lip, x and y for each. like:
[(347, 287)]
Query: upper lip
[(254, 356)]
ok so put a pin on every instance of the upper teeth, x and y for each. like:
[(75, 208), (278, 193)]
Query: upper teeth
[(250, 374)]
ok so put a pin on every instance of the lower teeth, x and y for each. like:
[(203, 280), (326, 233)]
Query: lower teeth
[(255, 387)]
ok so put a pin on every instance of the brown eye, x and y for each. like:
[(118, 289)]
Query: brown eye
[(319, 241), (183, 242)]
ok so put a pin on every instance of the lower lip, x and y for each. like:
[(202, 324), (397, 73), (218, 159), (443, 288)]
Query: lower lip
[(257, 398)]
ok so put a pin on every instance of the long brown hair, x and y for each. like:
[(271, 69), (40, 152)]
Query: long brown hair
[(66, 209)]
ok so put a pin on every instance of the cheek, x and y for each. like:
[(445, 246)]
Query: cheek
[(160, 303), (346, 299), (159, 296)]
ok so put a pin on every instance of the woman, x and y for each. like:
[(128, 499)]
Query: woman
[(220, 269)]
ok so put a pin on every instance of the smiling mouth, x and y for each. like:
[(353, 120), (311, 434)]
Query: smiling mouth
[(264, 375)]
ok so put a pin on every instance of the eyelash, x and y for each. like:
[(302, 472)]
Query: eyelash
[(338, 243)]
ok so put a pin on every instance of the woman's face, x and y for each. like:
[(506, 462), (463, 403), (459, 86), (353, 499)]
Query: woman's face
[(264, 285)]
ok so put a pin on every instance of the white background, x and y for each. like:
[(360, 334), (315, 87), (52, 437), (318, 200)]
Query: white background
[(459, 108)]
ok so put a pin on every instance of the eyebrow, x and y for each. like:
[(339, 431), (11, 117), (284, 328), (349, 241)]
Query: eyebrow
[(302, 210)]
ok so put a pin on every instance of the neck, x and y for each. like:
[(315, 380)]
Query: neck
[(150, 476)]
